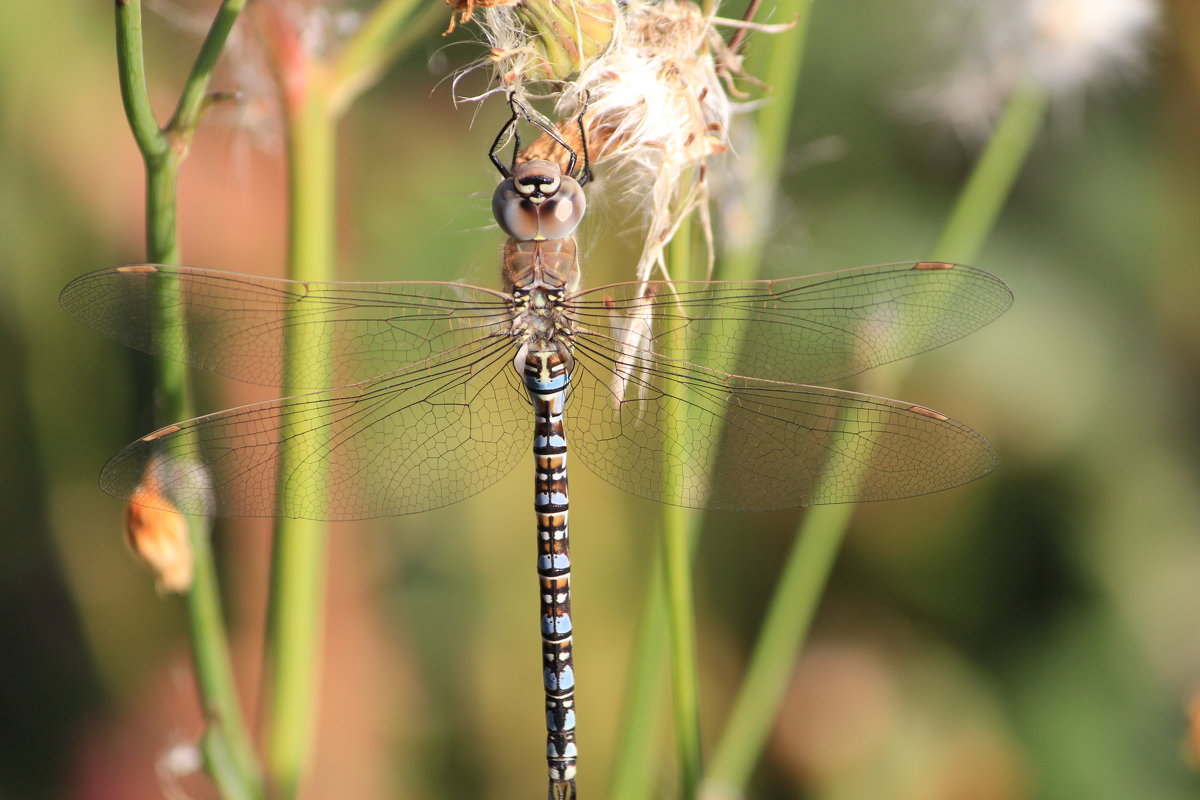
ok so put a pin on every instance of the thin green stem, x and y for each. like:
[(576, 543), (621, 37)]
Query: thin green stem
[(388, 30), (777, 61), (132, 71), (681, 627), (637, 752), (819, 538), (191, 101), (990, 183), (294, 617), (679, 531), (162, 238), (227, 747), (797, 596)]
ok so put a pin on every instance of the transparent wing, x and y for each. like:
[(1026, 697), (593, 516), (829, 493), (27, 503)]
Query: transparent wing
[(397, 444), (690, 436), (799, 330), (235, 324)]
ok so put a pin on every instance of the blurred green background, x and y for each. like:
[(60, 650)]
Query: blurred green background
[(1033, 635)]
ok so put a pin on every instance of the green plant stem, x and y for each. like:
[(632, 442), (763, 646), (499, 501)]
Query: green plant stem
[(991, 181), (679, 532), (815, 549), (135, 95), (226, 745), (191, 103), (315, 95), (784, 630), (294, 616), (388, 30), (637, 750), (777, 62)]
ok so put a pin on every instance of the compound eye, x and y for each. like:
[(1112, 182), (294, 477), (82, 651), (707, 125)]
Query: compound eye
[(527, 218), (560, 214), (514, 213)]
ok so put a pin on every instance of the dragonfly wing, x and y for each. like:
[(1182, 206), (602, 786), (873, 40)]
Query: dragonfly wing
[(235, 324), (397, 444), (690, 436), (810, 329)]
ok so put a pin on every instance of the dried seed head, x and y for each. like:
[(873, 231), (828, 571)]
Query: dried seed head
[(657, 107), (159, 538), (540, 40), (1062, 46), (155, 530)]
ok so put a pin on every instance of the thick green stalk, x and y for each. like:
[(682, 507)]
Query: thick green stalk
[(814, 551), (227, 747), (294, 618), (315, 95)]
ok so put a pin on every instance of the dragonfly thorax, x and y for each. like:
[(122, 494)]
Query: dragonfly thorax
[(549, 265), (538, 202), (539, 318)]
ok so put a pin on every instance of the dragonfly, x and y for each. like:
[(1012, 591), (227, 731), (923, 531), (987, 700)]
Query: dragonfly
[(420, 394)]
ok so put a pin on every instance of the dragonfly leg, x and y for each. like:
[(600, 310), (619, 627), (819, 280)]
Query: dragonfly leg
[(573, 157), (586, 174), (511, 125)]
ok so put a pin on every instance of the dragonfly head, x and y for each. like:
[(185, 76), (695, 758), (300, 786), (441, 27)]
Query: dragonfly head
[(538, 202)]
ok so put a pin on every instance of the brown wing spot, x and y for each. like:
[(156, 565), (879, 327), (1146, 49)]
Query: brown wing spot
[(139, 269), (160, 433), (928, 412), (932, 265)]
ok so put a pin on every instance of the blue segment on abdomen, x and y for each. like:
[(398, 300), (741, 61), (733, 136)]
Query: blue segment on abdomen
[(550, 385), (556, 624), (553, 562), (561, 681)]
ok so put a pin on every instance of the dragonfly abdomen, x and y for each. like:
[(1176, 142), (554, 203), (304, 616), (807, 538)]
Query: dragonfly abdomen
[(546, 374)]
